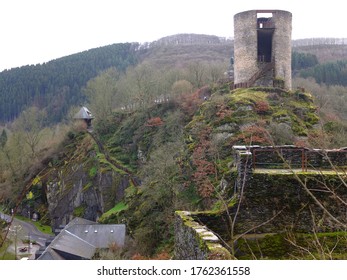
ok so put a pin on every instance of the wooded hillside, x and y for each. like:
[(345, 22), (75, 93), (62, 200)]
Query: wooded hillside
[(56, 85)]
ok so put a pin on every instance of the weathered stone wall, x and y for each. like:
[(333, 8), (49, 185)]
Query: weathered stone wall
[(245, 46), (268, 201), (243, 159), (295, 157), (280, 196), (278, 202), (265, 80), (194, 241), (282, 46)]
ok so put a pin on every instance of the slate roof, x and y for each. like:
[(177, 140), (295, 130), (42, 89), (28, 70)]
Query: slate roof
[(50, 254), (84, 114), (80, 239), (72, 244), (80, 221), (100, 236)]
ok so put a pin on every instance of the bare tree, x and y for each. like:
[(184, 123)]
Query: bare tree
[(196, 74), (103, 93), (30, 124), (141, 85)]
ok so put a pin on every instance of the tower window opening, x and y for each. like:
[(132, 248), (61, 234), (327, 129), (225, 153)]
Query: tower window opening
[(264, 20), (264, 15)]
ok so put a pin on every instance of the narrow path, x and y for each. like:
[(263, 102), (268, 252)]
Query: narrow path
[(108, 157)]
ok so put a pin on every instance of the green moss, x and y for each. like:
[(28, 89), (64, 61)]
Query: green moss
[(311, 119), (191, 146), (111, 215), (271, 246), (218, 253), (87, 186), (195, 122), (213, 250), (276, 246), (108, 166), (303, 96), (92, 172), (79, 211), (117, 208), (130, 192), (280, 113), (219, 208), (298, 126), (247, 97)]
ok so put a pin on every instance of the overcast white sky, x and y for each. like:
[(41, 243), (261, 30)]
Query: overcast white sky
[(36, 31)]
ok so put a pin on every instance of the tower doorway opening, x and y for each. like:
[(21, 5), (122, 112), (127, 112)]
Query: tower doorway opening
[(265, 32), (264, 45)]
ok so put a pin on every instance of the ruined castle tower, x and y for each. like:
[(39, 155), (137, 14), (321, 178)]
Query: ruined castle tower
[(262, 48)]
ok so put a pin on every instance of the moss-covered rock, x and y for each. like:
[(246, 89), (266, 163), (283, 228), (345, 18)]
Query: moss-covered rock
[(259, 115), (81, 181)]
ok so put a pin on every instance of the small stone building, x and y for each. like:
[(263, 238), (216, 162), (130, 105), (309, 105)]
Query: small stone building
[(85, 115), (262, 48)]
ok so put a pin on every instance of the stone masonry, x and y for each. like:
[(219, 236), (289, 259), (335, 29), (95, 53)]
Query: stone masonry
[(262, 40)]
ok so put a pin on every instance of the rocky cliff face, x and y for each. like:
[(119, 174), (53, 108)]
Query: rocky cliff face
[(82, 183)]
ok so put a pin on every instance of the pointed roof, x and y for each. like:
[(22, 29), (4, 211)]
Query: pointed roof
[(84, 113)]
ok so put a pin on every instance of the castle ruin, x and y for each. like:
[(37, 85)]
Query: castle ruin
[(262, 48)]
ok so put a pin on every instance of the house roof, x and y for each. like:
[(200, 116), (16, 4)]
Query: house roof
[(79, 221), (74, 245), (100, 236), (80, 238), (84, 113), (50, 254)]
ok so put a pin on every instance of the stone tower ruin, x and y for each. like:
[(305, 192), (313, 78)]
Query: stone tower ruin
[(262, 48)]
